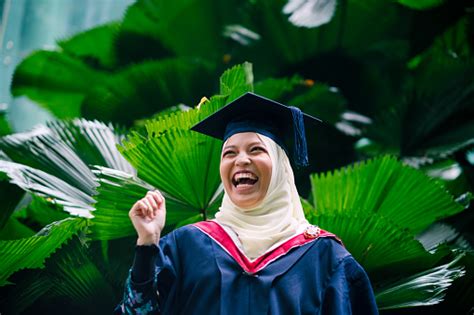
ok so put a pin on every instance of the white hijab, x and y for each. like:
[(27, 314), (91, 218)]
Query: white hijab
[(276, 219)]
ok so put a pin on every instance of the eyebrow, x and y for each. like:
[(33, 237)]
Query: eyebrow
[(250, 144)]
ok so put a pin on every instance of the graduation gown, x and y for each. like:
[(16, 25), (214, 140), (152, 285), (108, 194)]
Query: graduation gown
[(197, 269)]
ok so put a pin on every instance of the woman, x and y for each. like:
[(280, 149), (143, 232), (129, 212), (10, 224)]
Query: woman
[(259, 255)]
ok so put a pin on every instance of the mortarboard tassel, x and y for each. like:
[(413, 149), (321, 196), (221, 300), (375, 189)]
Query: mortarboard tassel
[(300, 149)]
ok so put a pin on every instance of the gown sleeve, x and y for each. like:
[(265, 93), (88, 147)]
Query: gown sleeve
[(349, 291), (149, 281)]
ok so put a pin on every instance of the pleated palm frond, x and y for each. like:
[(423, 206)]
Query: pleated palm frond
[(43, 150), (94, 142), (182, 163), (378, 207), (378, 243), (35, 181), (54, 161), (384, 186), (79, 280), (424, 288), (117, 192), (32, 252)]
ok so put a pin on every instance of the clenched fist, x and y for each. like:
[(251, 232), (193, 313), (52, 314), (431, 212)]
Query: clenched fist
[(148, 217)]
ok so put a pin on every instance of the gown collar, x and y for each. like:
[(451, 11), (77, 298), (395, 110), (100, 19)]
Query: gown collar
[(217, 233)]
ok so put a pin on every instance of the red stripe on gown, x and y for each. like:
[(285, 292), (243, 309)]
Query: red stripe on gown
[(215, 231)]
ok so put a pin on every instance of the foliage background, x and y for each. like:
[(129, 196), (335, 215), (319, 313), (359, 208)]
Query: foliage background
[(392, 81)]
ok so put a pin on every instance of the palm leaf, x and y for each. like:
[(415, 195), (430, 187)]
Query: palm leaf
[(310, 13), (282, 43), (94, 142), (55, 80), (32, 252), (4, 125), (182, 163), (237, 81), (10, 196), (188, 19), (377, 186), (42, 184), (149, 86), (14, 229), (95, 46), (117, 192), (425, 288), (78, 279), (378, 207), (43, 150), (434, 115), (41, 211), (53, 161), (377, 243), (421, 5), (27, 290)]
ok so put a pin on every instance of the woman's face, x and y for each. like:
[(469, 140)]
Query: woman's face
[(246, 169)]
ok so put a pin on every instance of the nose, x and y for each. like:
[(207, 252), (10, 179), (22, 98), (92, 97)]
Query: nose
[(242, 159)]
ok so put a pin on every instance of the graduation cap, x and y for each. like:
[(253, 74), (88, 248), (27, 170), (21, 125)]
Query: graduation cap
[(253, 113)]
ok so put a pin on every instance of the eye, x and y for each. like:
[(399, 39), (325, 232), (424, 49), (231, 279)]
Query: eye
[(258, 149), (227, 153)]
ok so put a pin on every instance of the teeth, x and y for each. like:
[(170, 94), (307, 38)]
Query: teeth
[(239, 176)]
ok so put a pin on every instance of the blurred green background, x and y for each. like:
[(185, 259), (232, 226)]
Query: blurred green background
[(96, 101)]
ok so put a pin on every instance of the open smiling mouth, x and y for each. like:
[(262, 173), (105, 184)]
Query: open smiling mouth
[(244, 178)]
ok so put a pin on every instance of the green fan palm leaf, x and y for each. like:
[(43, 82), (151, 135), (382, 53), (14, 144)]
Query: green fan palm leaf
[(55, 161), (32, 252), (93, 142), (35, 181), (425, 288), (78, 279), (384, 186), (154, 19), (43, 150), (182, 163), (94, 46), (150, 86), (52, 79), (116, 194), (378, 243), (434, 115), (378, 207)]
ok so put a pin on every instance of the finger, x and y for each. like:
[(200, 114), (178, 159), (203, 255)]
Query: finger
[(158, 197), (152, 203), (137, 209), (148, 208), (152, 199)]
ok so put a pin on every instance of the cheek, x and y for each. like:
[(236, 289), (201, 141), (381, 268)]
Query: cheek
[(223, 170)]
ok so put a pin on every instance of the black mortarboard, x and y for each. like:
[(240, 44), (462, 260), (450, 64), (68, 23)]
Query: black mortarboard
[(253, 113)]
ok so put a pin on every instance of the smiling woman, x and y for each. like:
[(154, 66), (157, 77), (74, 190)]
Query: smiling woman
[(259, 255)]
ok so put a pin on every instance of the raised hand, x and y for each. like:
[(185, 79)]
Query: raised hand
[(148, 217)]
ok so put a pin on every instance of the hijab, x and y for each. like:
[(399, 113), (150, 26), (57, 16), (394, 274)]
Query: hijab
[(277, 218)]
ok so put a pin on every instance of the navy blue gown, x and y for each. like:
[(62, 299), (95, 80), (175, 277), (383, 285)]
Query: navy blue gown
[(197, 269)]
